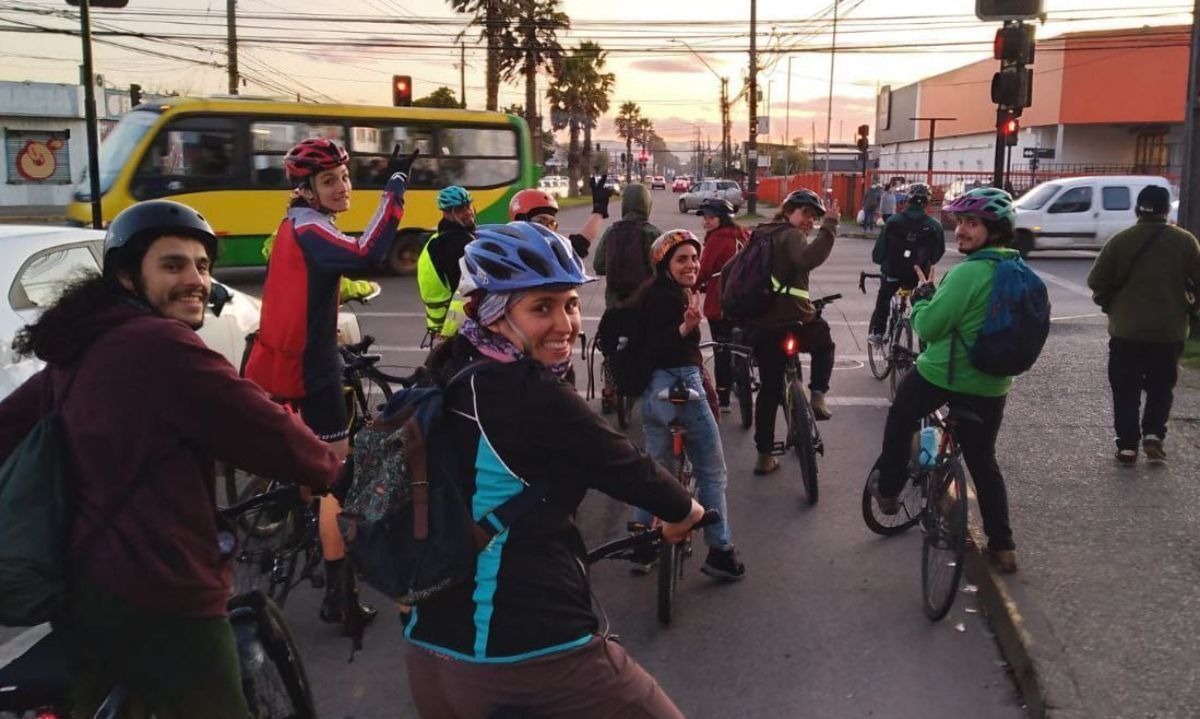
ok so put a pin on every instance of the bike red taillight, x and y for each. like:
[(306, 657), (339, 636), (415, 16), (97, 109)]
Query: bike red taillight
[(789, 345), (48, 714)]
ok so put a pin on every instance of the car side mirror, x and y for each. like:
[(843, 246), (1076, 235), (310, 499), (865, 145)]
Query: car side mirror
[(218, 297)]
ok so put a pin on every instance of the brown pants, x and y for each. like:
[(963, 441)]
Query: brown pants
[(597, 680)]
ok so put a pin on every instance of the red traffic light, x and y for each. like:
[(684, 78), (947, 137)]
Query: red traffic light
[(1014, 43), (1010, 127), (401, 90)]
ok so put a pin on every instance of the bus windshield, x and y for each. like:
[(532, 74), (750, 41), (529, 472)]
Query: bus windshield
[(116, 149)]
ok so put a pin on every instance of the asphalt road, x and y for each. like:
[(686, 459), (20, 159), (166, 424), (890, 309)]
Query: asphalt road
[(828, 621)]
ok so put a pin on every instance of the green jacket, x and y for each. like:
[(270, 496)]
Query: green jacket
[(1150, 307), (950, 321), (635, 205)]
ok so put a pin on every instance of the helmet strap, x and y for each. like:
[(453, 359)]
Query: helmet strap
[(526, 345)]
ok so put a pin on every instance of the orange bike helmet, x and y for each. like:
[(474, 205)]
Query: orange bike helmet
[(527, 203)]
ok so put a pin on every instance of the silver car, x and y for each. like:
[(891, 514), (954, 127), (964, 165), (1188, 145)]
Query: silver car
[(705, 189)]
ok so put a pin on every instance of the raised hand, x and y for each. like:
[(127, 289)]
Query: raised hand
[(401, 163), (600, 195)]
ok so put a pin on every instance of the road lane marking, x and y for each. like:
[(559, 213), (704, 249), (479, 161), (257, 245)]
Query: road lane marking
[(19, 644), (1065, 284)]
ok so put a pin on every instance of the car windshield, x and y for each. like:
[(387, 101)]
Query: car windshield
[(1038, 196), (116, 149)]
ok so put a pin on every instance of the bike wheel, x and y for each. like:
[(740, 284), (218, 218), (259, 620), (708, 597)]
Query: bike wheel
[(903, 358), (743, 389), (801, 427), (366, 395), (944, 523), (877, 358), (910, 510), (668, 578), (273, 677)]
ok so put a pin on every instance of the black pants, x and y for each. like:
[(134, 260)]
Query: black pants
[(915, 398), (1135, 367), (887, 290), (813, 338), (722, 331)]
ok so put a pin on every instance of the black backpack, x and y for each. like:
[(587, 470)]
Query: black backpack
[(621, 337), (626, 261), (746, 290), (907, 246)]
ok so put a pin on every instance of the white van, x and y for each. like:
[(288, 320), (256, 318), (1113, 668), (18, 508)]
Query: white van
[(1078, 213)]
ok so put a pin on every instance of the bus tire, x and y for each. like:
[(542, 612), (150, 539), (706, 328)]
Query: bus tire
[(402, 257)]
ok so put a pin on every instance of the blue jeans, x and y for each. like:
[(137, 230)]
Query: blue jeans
[(703, 446)]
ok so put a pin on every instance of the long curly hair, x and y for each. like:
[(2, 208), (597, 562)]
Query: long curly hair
[(59, 327)]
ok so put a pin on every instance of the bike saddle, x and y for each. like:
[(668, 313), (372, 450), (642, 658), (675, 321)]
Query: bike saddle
[(40, 677), (679, 393)]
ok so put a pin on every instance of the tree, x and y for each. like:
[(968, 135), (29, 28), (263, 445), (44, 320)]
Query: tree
[(627, 130), (595, 98), (546, 145), (791, 160), (645, 129), (572, 104), (494, 18), (538, 47), (441, 97)]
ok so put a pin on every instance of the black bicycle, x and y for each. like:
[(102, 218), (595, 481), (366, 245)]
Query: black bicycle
[(743, 377), (893, 356)]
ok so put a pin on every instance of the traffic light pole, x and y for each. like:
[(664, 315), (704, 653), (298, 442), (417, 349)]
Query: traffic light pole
[(89, 113), (752, 142), (998, 167)]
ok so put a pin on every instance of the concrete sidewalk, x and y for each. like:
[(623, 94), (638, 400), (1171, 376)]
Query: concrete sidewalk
[(33, 214), (1103, 618)]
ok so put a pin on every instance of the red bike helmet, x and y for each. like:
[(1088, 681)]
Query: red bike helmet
[(311, 156), (528, 203)]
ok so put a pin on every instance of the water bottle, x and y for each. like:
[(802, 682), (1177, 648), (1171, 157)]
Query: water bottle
[(931, 439)]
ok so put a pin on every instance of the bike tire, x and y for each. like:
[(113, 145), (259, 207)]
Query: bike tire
[(944, 546), (274, 680), (668, 580), (901, 363), (877, 359), (265, 562), (910, 510), (801, 426), (743, 390)]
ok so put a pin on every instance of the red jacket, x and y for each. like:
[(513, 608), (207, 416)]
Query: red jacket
[(720, 246), (150, 403)]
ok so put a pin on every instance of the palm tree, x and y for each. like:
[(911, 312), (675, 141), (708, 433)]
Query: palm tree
[(538, 47), (573, 98), (645, 129), (627, 129), (494, 17), (595, 101)]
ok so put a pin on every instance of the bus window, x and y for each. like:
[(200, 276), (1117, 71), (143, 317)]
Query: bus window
[(270, 142), (372, 146), (478, 157), (191, 154)]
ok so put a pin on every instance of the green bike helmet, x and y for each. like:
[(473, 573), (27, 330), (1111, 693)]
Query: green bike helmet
[(453, 197), (988, 203)]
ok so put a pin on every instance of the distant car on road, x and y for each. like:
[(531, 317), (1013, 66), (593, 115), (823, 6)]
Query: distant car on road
[(554, 184), (714, 189), (37, 261), (682, 184), (658, 182)]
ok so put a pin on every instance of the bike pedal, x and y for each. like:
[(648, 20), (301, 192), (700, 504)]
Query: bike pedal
[(779, 449)]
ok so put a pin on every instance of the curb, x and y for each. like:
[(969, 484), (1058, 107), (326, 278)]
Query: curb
[(33, 219)]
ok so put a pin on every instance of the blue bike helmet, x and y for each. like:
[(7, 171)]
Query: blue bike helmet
[(521, 256), (453, 197)]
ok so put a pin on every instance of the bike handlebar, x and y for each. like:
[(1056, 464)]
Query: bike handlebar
[(622, 547), (361, 346), (282, 495), (820, 302), (864, 276)]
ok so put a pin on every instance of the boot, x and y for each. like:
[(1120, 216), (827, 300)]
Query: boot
[(820, 411), (765, 464), (333, 606)]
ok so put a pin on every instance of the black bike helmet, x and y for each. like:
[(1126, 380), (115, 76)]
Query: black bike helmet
[(802, 197), (137, 226), (716, 207), (919, 192)]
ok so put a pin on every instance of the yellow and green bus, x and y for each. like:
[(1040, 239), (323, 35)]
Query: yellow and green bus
[(224, 157)]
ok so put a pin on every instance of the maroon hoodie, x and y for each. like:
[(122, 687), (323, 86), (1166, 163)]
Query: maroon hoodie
[(150, 403)]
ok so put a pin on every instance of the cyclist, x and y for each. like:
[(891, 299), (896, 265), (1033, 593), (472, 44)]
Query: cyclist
[(908, 240), (437, 267), (146, 407), (671, 314), (723, 238), (623, 259), (540, 206), (523, 634), (793, 257), (296, 355), (948, 320)]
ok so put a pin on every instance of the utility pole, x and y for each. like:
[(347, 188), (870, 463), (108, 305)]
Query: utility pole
[(1189, 191), (827, 179), (787, 113), (231, 39), (752, 143), (725, 134), (462, 74), (89, 103), (933, 121)]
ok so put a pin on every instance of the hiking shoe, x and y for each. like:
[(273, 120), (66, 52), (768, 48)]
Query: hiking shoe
[(1004, 560), (875, 338), (1153, 447), (765, 464), (1126, 456), (820, 411), (888, 505), (724, 564), (644, 559)]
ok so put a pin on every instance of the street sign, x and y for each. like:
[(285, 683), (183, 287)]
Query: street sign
[(764, 124), (1042, 153)]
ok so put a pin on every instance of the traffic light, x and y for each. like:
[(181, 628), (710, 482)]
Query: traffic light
[(1012, 86), (135, 95), (1014, 43), (1010, 127), (401, 90), (1007, 9), (864, 141)]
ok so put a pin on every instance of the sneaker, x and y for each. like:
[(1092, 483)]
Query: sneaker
[(1153, 447), (723, 403), (644, 559), (820, 411), (765, 464), (1004, 560), (1127, 456), (875, 338), (724, 564), (888, 505)]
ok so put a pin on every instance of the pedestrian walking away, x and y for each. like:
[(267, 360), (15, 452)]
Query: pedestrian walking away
[(1141, 280)]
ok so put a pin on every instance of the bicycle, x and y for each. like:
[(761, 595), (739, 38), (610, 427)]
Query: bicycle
[(743, 378), (802, 433), (274, 681), (934, 498), (892, 357)]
